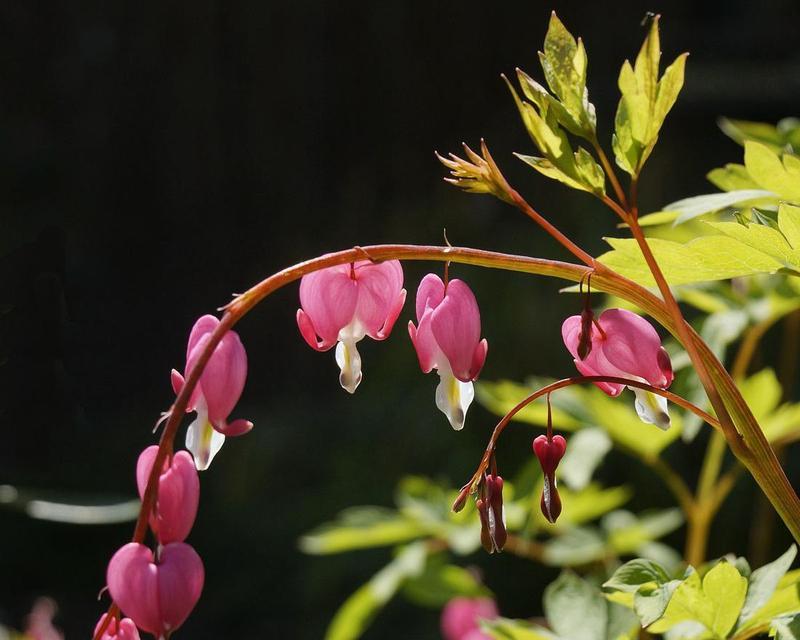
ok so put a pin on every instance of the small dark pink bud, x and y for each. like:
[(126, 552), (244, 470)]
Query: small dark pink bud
[(549, 453), (461, 499), (585, 336), (490, 510)]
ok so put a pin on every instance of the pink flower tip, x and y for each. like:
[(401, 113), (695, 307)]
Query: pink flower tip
[(461, 618), (117, 629), (178, 494)]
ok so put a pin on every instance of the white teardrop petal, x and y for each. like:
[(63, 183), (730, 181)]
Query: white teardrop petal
[(652, 408), (349, 361), (453, 398), (202, 440)]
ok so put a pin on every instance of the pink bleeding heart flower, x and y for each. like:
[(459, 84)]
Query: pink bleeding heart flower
[(157, 596), (117, 629), (492, 514), (39, 622), (342, 304), (178, 494), (549, 451), (217, 392), (448, 339), (461, 618), (624, 345)]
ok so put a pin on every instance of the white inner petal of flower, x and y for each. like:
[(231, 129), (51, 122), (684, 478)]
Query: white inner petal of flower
[(453, 397), (202, 439), (349, 361), (651, 408)]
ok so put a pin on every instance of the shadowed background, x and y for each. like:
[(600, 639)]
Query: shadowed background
[(156, 157)]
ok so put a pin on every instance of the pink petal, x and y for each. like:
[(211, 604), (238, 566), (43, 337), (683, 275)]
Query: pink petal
[(309, 333), (117, 629), (236, 428), (584, 368), (204, 325), (632, 345), (180, 583), (456, 326), (223, 378), (425, 344), (329, 298), (133, 583), (460, 616), (430, 293), (178, 495), (380, 289), (177, 382), (570, 333), (478, 359)]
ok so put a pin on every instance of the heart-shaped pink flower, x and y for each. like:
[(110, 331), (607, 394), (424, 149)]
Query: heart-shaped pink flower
[(158, 597), (178, 494)]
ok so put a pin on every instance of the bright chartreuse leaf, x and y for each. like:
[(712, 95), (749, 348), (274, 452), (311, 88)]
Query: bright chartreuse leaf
[(731, 177), (789, 223), (355, 615), (762, 392), (690, 208), (773, 171), (361, 528), (781, 137), (645, 102), (627, 533), (715, 601), (548, 117), (646, 587), (763, 582), (564, 63), (715, 257), (441, 582)]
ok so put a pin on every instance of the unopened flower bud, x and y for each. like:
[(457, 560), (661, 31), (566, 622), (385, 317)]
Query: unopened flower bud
[(492, 515), (461, 499), (549, 452), (585, 336)]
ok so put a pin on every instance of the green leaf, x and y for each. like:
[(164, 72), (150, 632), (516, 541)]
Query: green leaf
[(564, 64), (574, 548), (645, 102), (762, 392), (690, 208), (507, 629), (785, 628), (586, 451), (707, 258), (650, 601), (763, 583), (361, 528), (627, 532), (771, 172), (789, 223), (584, 506), (439, 583), (567, 596), (784, 600), (632, 575), (765, 239), (714, 602), (355, 615), (731, 177), (742, 131)]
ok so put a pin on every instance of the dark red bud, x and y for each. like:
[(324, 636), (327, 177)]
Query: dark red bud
[(550, 452), (551, 501), (486, 536), (585, 336), (490, 510), (461, 500)]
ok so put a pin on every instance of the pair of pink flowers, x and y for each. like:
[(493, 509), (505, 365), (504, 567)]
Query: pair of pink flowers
[(343, 304), (158, 591)]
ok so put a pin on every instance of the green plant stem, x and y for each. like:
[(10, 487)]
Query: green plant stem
[(750, 446), (610, 173), (567, 382)]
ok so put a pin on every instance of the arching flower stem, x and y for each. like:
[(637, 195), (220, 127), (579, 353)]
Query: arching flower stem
[(567, 382)]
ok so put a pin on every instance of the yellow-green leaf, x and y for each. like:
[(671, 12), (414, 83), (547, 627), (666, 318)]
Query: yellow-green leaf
[(789, 223), (771, 172), (731, 177)]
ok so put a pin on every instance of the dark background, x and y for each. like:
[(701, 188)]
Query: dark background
[(156, 157)]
